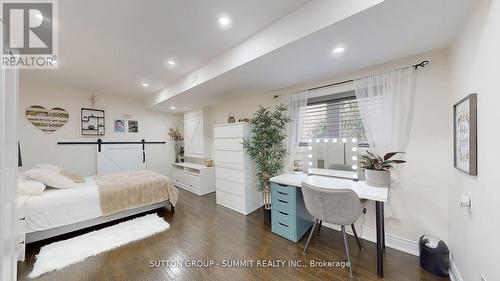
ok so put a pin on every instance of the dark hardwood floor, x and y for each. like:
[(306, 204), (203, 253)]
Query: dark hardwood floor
[(202, 230)]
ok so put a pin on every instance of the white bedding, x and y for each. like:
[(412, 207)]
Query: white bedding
[(59, 207)]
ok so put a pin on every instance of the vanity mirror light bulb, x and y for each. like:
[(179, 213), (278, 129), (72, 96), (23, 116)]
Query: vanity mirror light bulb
[(354, 140), (354, 158), (354, 149), (310, 163), (354, 167), (326, 140), (309, 140), (310, 148), (334, 140), (344, 140), (317, 140), (310, 156)]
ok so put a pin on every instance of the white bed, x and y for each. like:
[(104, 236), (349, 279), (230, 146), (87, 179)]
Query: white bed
[(59, 211), (59, 207)]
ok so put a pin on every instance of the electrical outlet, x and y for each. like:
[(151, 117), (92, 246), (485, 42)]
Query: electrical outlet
[(483, 278)]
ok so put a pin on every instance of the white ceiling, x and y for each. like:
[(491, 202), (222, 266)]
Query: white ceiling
[(391, 30), (113, 46)]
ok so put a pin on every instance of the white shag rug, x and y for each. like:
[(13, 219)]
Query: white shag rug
[(61, 254)]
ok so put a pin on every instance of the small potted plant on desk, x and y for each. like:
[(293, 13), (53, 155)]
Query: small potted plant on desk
[(378, 169)]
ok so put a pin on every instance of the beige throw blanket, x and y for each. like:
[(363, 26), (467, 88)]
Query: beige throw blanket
[(133, 189)]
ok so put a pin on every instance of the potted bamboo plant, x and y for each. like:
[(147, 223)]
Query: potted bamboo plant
[(266, 146), (378, 169)]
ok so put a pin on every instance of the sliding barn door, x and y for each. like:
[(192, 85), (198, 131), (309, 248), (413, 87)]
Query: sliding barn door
[(8, 167), (120, 157)]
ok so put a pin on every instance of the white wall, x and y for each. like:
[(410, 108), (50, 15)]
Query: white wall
[(38, 147), (422, 199), (474, 61)]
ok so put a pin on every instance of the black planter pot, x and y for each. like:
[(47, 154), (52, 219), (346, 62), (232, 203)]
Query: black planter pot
[(267, 214)]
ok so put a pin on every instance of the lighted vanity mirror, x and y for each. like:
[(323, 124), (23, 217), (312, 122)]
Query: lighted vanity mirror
[(333, 157)]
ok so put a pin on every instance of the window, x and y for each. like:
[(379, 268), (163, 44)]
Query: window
[(333, 116)]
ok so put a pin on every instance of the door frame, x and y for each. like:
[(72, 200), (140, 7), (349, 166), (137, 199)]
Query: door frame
[(9, 86)]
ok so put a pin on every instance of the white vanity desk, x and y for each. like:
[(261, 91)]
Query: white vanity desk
[(364, 191)]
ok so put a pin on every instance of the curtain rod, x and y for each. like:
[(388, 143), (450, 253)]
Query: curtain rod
[(415, 66)]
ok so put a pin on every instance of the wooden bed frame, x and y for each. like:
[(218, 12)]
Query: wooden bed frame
[(53, 232)]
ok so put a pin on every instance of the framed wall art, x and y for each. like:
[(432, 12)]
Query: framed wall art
[(133, 126), (465, 135), (47, 120), (92, 122)]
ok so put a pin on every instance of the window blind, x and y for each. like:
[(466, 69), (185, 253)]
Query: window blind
[(333, 116)]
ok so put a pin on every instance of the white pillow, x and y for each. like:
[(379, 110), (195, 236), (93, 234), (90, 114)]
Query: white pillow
[(50, 167), (29, 187), (50, 178)]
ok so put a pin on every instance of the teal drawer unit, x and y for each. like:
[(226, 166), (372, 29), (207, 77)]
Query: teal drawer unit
[(289, 217)]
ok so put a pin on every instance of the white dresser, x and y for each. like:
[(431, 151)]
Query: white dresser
[(196, 178), (234, 170)]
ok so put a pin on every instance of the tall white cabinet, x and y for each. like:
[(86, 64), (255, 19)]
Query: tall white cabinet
[(234, 170), (196, 135)]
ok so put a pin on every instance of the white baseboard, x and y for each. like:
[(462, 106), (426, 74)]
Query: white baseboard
[(391, 241), (454, 273), (401, 244)]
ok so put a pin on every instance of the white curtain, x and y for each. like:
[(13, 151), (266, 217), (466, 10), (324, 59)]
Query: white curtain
[(296, 103), (385, 103)]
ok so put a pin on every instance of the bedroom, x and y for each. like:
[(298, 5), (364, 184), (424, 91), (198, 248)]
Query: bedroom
[(123, 153)]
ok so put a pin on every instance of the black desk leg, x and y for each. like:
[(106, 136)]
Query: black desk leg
[(383, 225), (379, 210)]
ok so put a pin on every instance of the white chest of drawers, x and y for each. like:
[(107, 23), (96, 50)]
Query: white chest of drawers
[(234, 172), (196, 178)]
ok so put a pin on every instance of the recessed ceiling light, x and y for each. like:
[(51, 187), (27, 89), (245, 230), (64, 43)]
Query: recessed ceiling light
[(172, 107), (171, 62), (224, 21), (338, 50), (145, 85)]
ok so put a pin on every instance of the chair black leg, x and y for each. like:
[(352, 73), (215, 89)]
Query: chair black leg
[(347, 250), (360, 244), (310, 235), (319, 225)]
